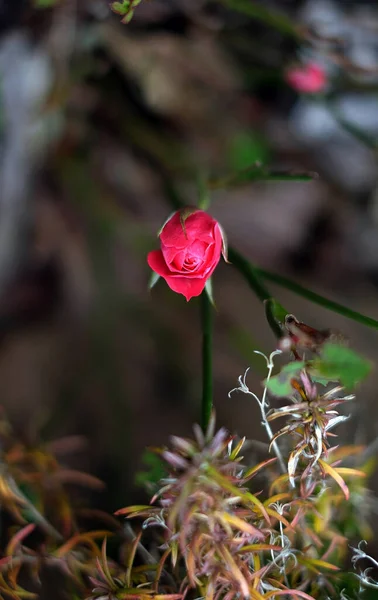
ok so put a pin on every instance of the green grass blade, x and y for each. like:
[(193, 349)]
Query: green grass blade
[(316, 298)]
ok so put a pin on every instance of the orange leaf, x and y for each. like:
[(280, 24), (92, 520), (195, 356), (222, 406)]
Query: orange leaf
[(324, 564), (134, 509), (82, 538), (251, 472), (259, 548), (277, 498), (18, 538), (288, 593), (348, 471), (239, 524), (235, 571), (246, 497), (334, 474)]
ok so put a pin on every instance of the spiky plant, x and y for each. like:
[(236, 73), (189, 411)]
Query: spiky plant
[(315, 544), (228, 542), (213, 525), (310, 418)]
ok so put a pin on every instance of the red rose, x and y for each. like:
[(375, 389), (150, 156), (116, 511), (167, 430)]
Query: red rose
[(191, 245), (308, 79)]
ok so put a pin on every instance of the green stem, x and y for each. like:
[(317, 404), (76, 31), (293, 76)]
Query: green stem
[(316, 298), (254, 279), (267, 16), (250, 274), (207, 359)]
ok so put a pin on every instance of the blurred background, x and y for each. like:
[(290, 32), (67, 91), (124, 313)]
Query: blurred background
[(99, 122)]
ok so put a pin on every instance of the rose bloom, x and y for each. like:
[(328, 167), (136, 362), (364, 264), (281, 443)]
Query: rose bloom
[(308, 79), (191, 246)]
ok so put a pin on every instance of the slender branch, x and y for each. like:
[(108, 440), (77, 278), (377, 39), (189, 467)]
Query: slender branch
[(256, 172), (250, 274), (267, 16), (254, 280), (316, 298), (207, 359)]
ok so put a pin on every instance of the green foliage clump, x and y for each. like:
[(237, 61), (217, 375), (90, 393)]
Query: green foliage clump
[(125, 8)]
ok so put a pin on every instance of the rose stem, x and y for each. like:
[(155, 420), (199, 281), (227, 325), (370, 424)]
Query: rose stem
[(298, 289), (249, 272), (207, 359)]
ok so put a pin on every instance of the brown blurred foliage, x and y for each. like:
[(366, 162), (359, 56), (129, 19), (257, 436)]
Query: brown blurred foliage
[(116, 115)]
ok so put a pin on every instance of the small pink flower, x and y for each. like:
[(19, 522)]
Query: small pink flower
[(307, 79), (191, 246)]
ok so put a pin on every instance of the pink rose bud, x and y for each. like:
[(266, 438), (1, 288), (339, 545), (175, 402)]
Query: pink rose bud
[(307, 79), (191, 246)]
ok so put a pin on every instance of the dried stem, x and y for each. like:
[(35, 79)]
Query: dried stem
[(263, 404)]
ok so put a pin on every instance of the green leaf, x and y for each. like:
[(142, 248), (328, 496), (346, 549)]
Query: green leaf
[(247, 149), (278, 311), (275, 314), (209, 291), (153, 280), (120, 8), (127, 18), (342, 364), (319, 379), (257, 172), (155, 470), (280, 385), (224, 243), (203, 193)]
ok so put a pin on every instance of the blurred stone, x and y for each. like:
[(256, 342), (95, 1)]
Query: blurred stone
[(338, 153)]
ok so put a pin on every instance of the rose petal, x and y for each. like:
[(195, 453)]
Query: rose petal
[(157, 263), (178, 260), (174, 257), (310, 78), (193, 267), (173, 233), (210, 260), (213, 255), (198, 226), (186, 286), (189, 253), (198, 249)]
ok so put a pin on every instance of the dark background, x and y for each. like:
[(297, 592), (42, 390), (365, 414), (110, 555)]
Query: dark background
[(98, 121)]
